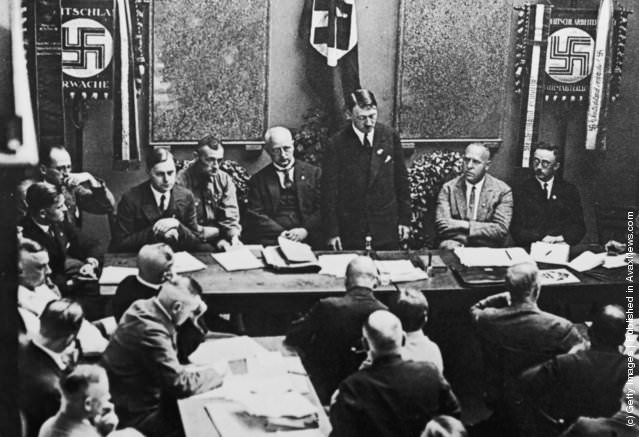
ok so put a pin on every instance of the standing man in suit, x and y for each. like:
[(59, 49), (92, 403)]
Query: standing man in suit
[(392, 397), (142, 361), (157, 210), (216, 205), (44, 359), (328, 336), (284, 196), (365, 181), (547, 208), (73, 258), (474, 209)]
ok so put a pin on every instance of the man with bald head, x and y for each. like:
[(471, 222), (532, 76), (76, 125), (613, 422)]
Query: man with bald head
[(142, 360), (474, 209), (512, 323), (284, 197), (328, 336), (392, 397)]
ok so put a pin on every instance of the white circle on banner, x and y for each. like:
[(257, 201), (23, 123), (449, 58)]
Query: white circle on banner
[(87, 48), (569, 55)]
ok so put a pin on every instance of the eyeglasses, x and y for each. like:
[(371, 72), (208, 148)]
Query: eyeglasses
[(544, 164)]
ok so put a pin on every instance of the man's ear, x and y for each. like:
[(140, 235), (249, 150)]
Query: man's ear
[(348, 114), (556, 165), (177, 307), (43, 169), (195, 154)]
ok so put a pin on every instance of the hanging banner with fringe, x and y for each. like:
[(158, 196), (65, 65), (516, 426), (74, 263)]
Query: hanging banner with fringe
[(87, 49)]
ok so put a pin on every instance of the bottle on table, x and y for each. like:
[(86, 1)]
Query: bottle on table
[(368, 245)]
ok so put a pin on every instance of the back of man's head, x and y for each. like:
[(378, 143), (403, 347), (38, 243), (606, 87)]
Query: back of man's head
[(383, 332), (60, 320), (33, 263), (608, 327), (41, 195), (74, 384), (522, 280), (180, 296), (411, 307), (154, 262), (361, 272)]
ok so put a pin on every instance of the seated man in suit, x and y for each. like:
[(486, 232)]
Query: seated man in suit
[(585, 383), (86, 410), (157, 210), (45, 358), (474, 209), (516, 333), (328, 336), (547, 208), (82, 191), (392, 397), (214, 190), (142, 360), (155, 264), (365, 181), (624, 423), (283, 197), (73, 258)]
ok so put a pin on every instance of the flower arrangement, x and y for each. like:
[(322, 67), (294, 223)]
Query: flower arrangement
[(311, 138), (426, 176)]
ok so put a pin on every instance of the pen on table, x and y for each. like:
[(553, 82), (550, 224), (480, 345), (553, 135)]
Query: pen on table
[(548, 253), (430, 259), (508, 255), (295, 372)]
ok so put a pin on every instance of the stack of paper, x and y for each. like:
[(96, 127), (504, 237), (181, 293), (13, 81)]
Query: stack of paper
[(113, 275), (587, 261), (228, 349), (400, 271), (237, 259), (335, 265), (184, 262), (550, 253), (616, 261), (295, 252), (489, 257)]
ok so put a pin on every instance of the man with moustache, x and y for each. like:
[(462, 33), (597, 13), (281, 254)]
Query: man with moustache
[(547, 208), (474, 209)]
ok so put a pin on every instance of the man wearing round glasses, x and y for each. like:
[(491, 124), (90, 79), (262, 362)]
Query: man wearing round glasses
[(547, 208)]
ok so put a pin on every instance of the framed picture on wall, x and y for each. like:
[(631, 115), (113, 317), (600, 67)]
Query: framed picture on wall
[(209, 63)]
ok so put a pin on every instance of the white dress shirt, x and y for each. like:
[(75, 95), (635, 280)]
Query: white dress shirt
[(290, 169), (549, 184), (478, 186), (360, 135), (157, 195)]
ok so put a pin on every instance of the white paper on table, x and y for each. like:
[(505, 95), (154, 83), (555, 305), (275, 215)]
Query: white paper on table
[(335, 265), (228, 349), (491, 257), (400, 270), (296, 252), (237, 259), (550, 253), (184, 262), (587, 261), (289, 404), (557, 276), (113, 275), (616, 261)]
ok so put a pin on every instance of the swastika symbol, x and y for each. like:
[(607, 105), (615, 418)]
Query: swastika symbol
[(569, 55), (342, 24), (83, 49)]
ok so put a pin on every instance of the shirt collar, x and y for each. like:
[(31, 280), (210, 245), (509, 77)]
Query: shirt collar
[(55, 356), (360, 135), (288, 168), (550, 183), (163, 310), (44, 228), (157, 195), (478, 185), (147, 283), (415, 335)]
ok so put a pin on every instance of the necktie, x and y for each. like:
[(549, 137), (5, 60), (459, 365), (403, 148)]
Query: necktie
[(162, 202), (367, 143), (288, 182), (545, 190), (471, 204)]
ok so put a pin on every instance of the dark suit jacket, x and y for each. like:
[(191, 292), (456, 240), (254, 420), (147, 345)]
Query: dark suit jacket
[(264, 198), (493, 213), (138, 212), (39, 397), (130, 289), (615, 426), (391, 398), (326, 335), (67, 243), (354, 201), (142, 363), (534, 216)]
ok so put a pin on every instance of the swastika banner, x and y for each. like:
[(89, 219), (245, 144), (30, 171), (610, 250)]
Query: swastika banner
[(87, 34)]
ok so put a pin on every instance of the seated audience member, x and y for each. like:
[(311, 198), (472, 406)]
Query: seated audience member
[(516, 332), (623, 423), (392, 397), (216, 205), (329, 335), (547, 208), (444, 426), (155, 262), (585, 383), (35, 291), (411, 307), (86, 410), (72, 257), (474, 209), (157, 210), (44, 359), (142, 360), (284, 197), (82, 191)]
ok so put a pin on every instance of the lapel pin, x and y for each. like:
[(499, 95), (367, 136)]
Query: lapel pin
[(303, 177), (380, 151), (554, 197), (388, 158)]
